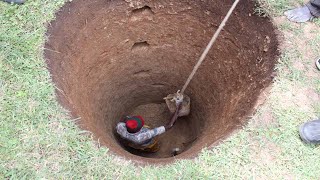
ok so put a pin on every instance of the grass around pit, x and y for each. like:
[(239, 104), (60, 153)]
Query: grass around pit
[(38, 139)]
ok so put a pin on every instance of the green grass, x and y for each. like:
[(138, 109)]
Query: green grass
[(38, 140), (275, 7), (317, 21)]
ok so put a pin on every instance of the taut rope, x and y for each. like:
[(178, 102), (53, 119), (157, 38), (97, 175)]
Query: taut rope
[(205, 52)]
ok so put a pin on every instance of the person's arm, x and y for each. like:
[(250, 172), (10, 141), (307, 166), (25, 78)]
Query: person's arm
[(145, 136), (141, 137)]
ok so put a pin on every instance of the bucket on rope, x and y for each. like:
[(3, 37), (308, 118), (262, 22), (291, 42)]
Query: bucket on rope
[(173, 99)]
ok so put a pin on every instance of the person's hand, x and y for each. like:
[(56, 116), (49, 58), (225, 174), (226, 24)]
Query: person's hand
[(168, 126)]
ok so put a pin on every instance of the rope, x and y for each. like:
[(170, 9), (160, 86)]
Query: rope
[(214, 38)]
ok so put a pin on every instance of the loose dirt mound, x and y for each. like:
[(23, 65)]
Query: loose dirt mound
[(115, 58)]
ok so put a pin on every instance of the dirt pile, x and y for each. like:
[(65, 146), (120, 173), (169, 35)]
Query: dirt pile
[(113, 58)]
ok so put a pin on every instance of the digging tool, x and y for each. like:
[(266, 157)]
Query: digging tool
[(173, 101)]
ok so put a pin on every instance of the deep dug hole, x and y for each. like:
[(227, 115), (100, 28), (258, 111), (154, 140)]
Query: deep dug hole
[(114, 58)]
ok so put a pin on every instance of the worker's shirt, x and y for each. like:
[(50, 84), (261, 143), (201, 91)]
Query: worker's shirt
[(144, 136)]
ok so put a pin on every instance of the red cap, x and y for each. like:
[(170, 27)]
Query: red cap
[(134, 124)]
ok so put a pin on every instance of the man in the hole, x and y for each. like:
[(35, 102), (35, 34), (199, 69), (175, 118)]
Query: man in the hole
[(135, 134)]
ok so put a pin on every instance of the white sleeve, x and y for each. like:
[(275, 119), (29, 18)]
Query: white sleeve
[(159, 130)]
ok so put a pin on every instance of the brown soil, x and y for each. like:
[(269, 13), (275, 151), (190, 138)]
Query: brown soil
[(114, 58)]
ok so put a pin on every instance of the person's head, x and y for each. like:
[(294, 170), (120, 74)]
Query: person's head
[(134, 123)]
